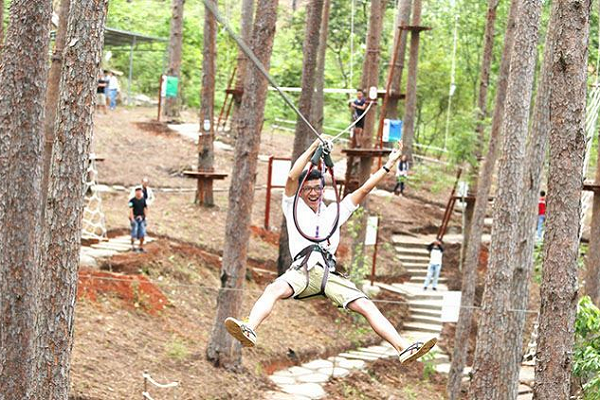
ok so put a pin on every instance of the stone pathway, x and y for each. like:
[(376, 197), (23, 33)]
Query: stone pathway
[(120, 244)]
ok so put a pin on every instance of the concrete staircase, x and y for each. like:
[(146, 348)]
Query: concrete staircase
[(412, 253)]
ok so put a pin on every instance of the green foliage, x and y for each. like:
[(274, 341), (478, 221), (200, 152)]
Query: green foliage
[(360, 263), (586, 363), (428, 361), (176, 349)]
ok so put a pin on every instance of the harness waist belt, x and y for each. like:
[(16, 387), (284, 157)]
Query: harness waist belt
[(329, 261)]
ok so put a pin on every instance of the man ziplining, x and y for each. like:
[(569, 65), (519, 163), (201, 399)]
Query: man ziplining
[(313, 272)]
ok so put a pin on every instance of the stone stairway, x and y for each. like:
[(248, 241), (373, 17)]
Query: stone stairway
[(105, 249)]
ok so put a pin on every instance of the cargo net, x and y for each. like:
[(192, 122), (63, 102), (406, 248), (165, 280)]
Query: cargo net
[(94, 222)]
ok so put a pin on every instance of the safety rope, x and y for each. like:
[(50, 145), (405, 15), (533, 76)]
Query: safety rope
[(227, 289), (321, 155)]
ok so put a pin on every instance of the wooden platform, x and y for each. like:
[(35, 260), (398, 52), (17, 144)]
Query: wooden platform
[(591, 187), (205, 175), (415, 28), (366, 153)]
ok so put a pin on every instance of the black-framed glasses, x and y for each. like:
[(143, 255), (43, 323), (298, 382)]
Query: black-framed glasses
[(308, 189)]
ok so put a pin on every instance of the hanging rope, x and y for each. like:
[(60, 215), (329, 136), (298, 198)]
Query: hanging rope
[(452, 81), (322, 155)]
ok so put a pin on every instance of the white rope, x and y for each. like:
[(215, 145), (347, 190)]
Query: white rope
[(452, 87), (159, 385), (93, 223), (353, 124), (352, 44)]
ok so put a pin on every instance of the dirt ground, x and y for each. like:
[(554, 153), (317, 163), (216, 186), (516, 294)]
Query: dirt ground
[(154, 312)]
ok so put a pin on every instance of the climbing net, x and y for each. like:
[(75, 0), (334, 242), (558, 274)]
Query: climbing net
[(94, 222)]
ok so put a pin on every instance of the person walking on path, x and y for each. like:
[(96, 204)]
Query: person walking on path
[(358, 107), (138, 211), (113, 90), (146, 190), (313, 272), (101, 92), (435, 264), (541, 215), (401, 175)]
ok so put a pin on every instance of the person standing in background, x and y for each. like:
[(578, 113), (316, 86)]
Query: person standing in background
[(541, 215), (435, 264), (113, 90), (401, 175)]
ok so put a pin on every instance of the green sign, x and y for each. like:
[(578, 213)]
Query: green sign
[(172, 83)]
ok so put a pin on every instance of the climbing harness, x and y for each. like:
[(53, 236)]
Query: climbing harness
[(329, 266)]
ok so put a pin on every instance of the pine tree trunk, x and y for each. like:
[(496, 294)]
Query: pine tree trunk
[(206, 152), (172, 104), (223, 350), (567, 148), (53, 92), (316, 115), (592, 262), (242, 61), (473, 247), (484, 81), (490, 367), (402, 19), (536, 154), (70, 158), (408, 134), (303, 135), (23, 76)]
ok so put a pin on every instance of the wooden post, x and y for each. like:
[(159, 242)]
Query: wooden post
[(268, 201), (160, 85)]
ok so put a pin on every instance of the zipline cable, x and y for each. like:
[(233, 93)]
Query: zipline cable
[(250, 54)]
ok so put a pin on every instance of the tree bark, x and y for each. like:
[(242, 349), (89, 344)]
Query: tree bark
[(70, 158), (473, 247), (567, 148), (303, 136), (536, 153), (481, 114), (490, 367), (242, 63), (172, 104), (206, 152), (52, 94), (402, 19), (223, 350), (23, 76), (316, 114), (411, 84)]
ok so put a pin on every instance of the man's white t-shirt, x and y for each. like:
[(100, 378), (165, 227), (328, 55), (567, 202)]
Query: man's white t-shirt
[(435, 257), (310, 220)]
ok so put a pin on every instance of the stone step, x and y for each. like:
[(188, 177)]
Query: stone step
[(417, 272), (112, 246), (407, 258), (424, 312), (411, 252), (425, 305), (409, 242), (415, 265), (416, 279), (421, 327), (426, 320)]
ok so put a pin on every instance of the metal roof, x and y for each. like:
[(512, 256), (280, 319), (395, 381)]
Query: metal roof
[(119, 38)]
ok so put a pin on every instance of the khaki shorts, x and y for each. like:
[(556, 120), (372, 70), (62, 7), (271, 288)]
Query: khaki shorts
[(100, 99), (339, 290)]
